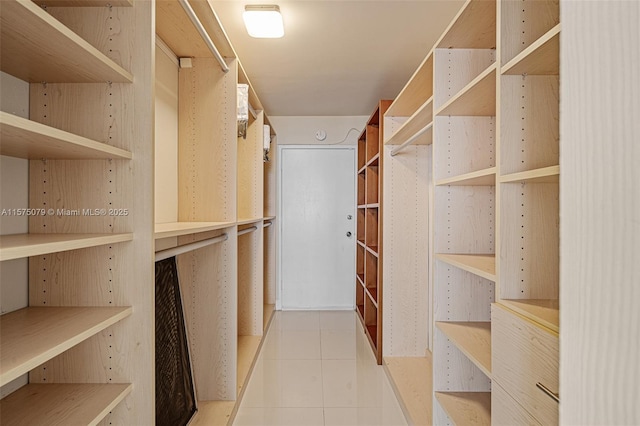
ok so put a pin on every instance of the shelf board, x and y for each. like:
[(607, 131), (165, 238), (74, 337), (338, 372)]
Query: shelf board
[(247, 221), (412, 379), (36, 47), (373, 206), (549, 174), (174, 27), (362, 169), (372, 336), (32, 336), (373, 161), (84, 3), (361, 243), (474, 27), (247, 349), (213, 413), (24, 245), (24, 138), (373, 250), (176, 229), (269, 217), (542, 311), (267, 313), (473, 339), (542, 57), (360, 310), (466, 408), (483, 265), (59, 404), (477, 98), (371, 297), (415, 123), (360, 278), (362, 206), (486, 177), (412, 95)]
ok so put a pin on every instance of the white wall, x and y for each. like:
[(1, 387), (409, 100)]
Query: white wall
[(14, 194), (302, 130), (600, 213)]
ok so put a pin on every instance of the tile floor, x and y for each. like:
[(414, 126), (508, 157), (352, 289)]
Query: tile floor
[(317, 368)]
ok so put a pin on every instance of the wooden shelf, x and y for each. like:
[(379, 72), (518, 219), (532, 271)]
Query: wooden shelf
[(421, 118), (541, 58), (542, 311), (36, 47), (32, 336), (269, 217), (413, 95), (473, 339), (360, 278), (372, 335), (483, 265), (175, 28), (412, 379), (176, 229), (373, 250), (247, 221), (361, 243), (466, 408), (24, 138), (84, 3), (371, 296), (213, 413), (267, 313), (486, 177), (372, 206), (360, 310), (61, 404), (477, 98), (247, 348), (549, 174), (24, 245), (474, 27), (373, 161)]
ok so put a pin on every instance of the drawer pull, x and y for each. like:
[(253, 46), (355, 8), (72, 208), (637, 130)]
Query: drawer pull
[(546, 390)]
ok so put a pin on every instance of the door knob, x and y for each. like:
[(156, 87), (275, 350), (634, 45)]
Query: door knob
[(348, 234)]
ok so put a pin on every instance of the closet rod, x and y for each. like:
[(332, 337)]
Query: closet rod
[(203, 33), (267, 224), (165, 254), (412, 139), (247, 230)]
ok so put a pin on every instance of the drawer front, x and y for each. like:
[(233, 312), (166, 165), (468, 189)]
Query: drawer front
[(524, 354), (505, 411)]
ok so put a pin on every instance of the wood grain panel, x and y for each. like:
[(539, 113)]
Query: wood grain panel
[(175, 28), (473, 27), (530, 122), (250, 283), (269, 271), (523, 355), (250, 171), (466, 408), (412, 380), (208, 279), (415, 93), (600, 231), (406, 261), (207, 148), (505, 411)]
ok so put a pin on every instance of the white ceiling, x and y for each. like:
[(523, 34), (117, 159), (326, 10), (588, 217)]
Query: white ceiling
[(337, 58)]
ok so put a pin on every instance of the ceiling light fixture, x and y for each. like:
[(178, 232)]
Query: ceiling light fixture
[(263, 21)]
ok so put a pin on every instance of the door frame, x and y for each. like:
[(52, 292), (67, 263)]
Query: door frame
[(280, 157)]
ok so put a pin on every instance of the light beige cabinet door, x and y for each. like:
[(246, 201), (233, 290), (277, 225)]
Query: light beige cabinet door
[(525, 354)]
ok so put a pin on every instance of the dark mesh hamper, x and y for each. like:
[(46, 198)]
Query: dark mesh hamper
[(175, 395)]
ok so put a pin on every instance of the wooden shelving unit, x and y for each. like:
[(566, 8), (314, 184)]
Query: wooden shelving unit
[(411, 378), (225, 186), (89, 277), (414, 124), (493, 205), (368, 283), (58, 404)]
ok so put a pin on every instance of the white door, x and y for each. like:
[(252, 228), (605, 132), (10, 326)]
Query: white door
[(317, 261)]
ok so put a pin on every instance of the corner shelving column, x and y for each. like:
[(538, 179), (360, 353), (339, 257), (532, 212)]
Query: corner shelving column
[(369, 229), (464, 172), (270, 230), (526, 317), (90, 250), (408, 134)]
